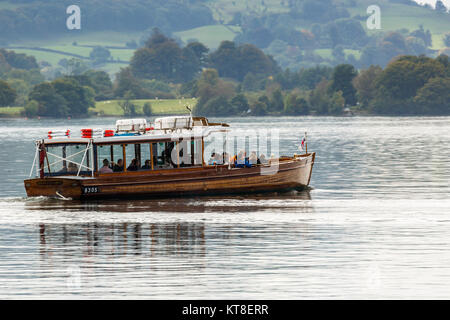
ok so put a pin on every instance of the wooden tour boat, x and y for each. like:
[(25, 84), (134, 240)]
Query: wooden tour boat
[(168, 159)]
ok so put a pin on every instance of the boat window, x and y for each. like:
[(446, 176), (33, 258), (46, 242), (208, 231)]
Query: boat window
[(146, 158), (133, 156), (215, 151), (190, 153), (114, 154), (163, 155), (67, 159), (103, 152)]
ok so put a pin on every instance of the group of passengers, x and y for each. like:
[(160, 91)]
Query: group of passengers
[(240, 160), (118, 167)]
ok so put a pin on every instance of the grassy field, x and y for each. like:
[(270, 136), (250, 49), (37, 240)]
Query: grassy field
[(159, 107), (112, 108), (211, 36), (65, 44), (395, 16), (327, 53), (223, 10), (10, 112)]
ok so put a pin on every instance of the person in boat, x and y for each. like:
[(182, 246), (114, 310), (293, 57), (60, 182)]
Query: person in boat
[(219, 158), (118, 167), (105, 168), (72, 168), (262, 159), (213, 160), (134, 166), (253, 159), (233, 159), (241, 160), (147, 165)]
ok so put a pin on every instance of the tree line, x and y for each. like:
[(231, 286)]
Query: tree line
[(235, 79), (41, 19)]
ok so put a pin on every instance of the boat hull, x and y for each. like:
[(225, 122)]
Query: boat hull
[(288, 174)]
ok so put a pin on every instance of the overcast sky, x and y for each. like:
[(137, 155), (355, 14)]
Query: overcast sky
[(432, 2)]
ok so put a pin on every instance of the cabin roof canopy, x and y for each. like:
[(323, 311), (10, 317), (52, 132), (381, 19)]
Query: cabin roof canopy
[(173, 128)]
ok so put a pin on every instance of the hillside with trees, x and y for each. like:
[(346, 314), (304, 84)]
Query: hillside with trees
[(236, 79), (296, 33)]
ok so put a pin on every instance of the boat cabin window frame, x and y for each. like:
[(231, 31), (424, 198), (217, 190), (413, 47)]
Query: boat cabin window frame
[(159, 154), (76, 163)]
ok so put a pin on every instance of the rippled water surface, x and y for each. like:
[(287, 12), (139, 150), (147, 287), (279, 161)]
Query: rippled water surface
[(376, 224)]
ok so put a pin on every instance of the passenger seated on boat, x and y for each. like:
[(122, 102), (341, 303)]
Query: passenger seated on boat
[(134, 166), (72, 168), (105, 168), (213, 160), (147, 165), (118, 167), (241, 161), (262, 159), (253, 159), (63, 170)]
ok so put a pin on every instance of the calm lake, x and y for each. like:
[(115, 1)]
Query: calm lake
[(375, 224)]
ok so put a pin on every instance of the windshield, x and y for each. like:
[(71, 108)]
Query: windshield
[(67, 159)]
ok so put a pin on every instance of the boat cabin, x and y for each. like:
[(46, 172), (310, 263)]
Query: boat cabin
[(133, 146)]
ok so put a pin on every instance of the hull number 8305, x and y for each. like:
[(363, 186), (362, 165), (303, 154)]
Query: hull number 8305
[(87, 190)]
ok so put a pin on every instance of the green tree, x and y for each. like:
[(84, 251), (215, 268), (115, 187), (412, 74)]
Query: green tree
[(126, 82), (127, 106), (364, 84), (162, 58), (342, 78), (199, 49), (218, 107), (258, 109), (239, 103), (319, 98), (210, 86), (19, 60), (236, 62), (7, 94), (31, 108), (76, 66), (50, 102), (336, 104), (79, 98), (295, 105), (277, 103), (100, 55), (147, 109), (434, 97), (101, 83)]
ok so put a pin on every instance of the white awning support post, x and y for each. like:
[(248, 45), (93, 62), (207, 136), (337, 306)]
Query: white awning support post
[(84, 157), (34, 161)]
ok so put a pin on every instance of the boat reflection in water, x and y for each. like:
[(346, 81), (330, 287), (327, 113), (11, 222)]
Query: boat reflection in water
[(93, 239), (169, 227)]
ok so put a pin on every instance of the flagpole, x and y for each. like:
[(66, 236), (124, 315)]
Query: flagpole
[(306, 144)]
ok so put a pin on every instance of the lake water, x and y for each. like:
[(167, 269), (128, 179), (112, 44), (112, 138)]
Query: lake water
[(376, 223)]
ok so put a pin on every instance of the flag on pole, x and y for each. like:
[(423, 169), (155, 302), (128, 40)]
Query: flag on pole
[(302, 145)]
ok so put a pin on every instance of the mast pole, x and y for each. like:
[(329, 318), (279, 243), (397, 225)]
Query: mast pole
[(306, 143)]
